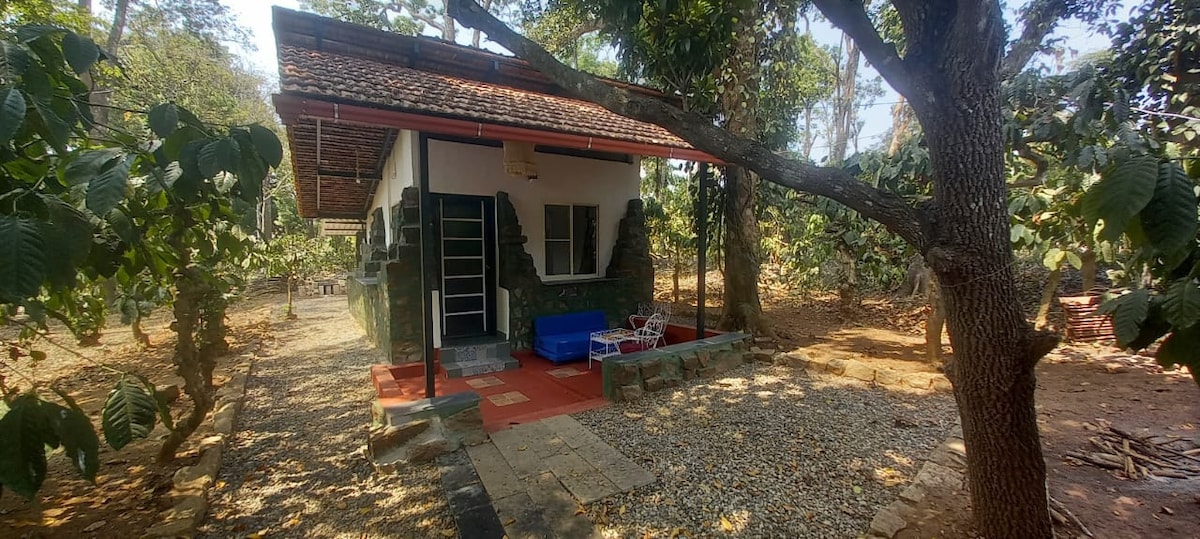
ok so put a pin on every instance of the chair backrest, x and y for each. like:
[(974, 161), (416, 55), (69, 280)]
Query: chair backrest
[(655, 326)]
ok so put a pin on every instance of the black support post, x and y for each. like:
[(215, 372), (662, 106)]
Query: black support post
[(701, 248), (428, 266)]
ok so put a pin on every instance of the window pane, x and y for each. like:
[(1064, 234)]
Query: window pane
[(583, 230), (455, 267), (462, 229), (558, 222), (462, 248), (462, 209), (558, 258)]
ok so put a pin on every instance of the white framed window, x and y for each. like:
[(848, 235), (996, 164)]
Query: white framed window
[(571, 239)]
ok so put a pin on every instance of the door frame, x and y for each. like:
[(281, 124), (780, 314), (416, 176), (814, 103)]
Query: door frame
[(489, 262)]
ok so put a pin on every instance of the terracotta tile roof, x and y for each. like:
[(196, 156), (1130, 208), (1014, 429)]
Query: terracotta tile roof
[(345, 78)]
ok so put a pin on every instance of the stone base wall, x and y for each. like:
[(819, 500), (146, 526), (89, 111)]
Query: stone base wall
[(387, 304), (367, 300), (628, 281), (628, 376)]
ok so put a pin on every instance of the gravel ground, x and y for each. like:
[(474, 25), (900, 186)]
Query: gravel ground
[(765, 451), (297, 467)]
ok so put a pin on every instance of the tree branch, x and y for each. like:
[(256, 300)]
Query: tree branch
[(888, 208), (851, 17), (1040, 18)]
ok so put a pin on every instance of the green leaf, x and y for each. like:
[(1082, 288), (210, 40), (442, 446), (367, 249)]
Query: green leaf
[(74, 230), (107, 189), (267, 144), (1074, 260), (81, 52), (31, 32), (1169, 219), (87, 164), (121, 225), (80, 443), (14, 60), (219, 155), (1182, 304), (12, 113), (51, 126), (1128, 313), (128, 414), (164, 407), (22, 452), (1121, 193), (1054, 258), (22, 258), (163, 119), (1182, 348)]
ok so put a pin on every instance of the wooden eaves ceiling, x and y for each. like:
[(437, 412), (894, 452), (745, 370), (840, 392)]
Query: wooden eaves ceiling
[(337, 166)]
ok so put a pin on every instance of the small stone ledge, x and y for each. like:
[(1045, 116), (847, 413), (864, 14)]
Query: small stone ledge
[(859, 370), (422, 430), (630, 376), (189, 494), (944, 473)]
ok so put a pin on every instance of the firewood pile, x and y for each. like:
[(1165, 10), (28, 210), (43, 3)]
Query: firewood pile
[(1139, 457)]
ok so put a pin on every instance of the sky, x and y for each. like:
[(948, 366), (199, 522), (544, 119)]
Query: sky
[(877, 118)]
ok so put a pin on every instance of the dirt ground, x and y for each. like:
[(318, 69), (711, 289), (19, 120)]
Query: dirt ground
[(130, 487), (1082, 389)]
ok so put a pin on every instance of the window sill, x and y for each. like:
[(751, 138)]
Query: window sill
[(586, 279)]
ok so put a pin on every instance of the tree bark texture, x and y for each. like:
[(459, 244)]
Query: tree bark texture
[(844, 117), (742, 308), (934, 323), (995, 348), (1047, 300), (1088, 259)]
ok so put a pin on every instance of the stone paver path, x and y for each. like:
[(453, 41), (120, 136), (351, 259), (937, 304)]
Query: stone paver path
[(538, 474)]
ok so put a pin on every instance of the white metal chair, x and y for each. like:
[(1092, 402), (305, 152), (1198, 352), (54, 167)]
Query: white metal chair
[(646, 310), (652, 332)]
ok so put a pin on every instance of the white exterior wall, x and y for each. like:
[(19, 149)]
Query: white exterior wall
[(399, 171), (468, 169)]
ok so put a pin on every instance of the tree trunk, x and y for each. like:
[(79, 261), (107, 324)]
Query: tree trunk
[(100, 96), (742, 309), (187, 363), (848, 285), (843, 104), (138, 335), (1047, 301), (289, 314), (1088, 269), (901, 118), (935, 322), (995, 348), (212, 332), (675, 279)]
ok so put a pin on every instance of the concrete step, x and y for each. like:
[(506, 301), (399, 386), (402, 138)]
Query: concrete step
[(451, 353), (475, 367)]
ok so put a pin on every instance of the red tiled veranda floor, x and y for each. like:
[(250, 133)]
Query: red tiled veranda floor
[(537, 390)]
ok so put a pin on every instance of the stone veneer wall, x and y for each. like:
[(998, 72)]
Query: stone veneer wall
[(628, 376), (387, 304), (628, 281)]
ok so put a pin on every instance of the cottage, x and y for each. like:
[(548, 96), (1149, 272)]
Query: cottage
[(483, 197)]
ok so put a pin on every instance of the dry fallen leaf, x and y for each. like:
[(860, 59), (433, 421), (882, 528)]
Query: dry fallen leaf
[(449, 532), (509, 522), (522, 448), (726, 524), (622, 510)]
